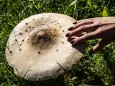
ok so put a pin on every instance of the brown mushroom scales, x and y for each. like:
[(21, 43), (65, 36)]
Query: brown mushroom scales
[(37, 48)]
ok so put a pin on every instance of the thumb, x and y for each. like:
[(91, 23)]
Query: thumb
[(99, 46)]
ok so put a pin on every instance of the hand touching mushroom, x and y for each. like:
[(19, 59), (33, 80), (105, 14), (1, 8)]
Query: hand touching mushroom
[(100, 27)]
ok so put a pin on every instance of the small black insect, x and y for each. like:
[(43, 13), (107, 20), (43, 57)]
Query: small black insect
[(54, 35), (23, 40), (30, 27), (11, 52), (56, 23), (20, 33), (39, 52), (26, 30), (63, 31), (26, 23), (62, 42), (16, 40), (57, 50)]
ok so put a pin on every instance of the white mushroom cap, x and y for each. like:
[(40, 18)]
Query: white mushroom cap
[(37, 48)]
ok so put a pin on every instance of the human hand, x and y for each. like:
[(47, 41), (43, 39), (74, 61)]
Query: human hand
[(100, 27)]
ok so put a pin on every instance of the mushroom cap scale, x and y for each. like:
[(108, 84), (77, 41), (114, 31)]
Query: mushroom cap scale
[(38, 49)]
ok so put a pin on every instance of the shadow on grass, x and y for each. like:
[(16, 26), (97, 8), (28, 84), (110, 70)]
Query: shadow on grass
[(51, 82)]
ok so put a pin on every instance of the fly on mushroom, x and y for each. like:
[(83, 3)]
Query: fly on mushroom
[(42, 51)]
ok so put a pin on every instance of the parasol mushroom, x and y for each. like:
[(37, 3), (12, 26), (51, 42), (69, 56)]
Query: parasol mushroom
[(37, 48)]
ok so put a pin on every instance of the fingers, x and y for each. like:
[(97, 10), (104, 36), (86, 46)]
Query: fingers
[(92, 35), (99, 46), (100, 30), (81, 23), (72, 38), (81, 29)]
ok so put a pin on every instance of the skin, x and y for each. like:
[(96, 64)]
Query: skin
[(92, 28)]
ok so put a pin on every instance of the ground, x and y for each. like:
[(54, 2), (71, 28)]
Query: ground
[(97, 69)]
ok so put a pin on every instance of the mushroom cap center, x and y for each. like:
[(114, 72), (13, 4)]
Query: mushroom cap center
[(44, 38)]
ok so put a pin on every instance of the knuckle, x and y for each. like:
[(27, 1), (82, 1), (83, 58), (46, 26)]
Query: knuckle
[(100, 30), (72, 33), (85, 21), (87, 35), (97, 22), (81, 28), (76, 41), (93, 25), (68, 39)]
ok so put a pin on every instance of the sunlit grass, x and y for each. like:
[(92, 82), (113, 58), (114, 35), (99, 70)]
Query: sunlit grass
[(96, 69)]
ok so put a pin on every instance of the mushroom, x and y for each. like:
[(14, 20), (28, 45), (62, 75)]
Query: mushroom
[(37, 48)]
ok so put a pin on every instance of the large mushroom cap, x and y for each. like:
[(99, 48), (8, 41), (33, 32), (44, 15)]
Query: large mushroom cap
[(37, 48)]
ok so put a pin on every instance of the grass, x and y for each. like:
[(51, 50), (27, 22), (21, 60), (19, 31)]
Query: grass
[(97, 69)]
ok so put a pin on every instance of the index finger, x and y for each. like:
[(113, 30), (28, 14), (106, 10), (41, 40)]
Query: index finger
[(81, 23)]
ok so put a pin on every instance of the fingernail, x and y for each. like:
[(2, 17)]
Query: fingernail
[(75, 23), (70, 28), (72, 42), (67, 35)]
